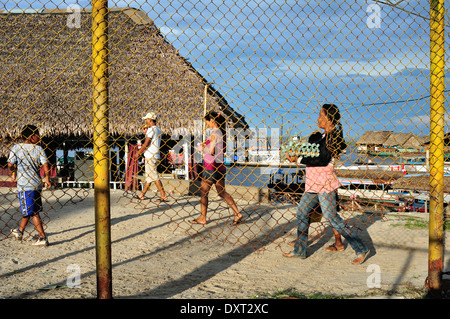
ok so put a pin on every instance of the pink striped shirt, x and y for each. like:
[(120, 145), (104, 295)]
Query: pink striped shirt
[(321, 179)]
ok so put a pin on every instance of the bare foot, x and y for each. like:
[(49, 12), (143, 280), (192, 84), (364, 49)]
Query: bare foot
[(197, 221), (237, 219)]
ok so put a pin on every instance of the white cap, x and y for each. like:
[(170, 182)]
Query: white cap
[(150, 115)]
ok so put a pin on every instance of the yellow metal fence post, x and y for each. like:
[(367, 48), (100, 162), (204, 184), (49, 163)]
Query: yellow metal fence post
[(101, 148), (437, 112)]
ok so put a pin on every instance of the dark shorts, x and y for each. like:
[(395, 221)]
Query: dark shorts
[(30, 202), (213, 176)]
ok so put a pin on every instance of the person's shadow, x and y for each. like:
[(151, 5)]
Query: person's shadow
[(321, 233)]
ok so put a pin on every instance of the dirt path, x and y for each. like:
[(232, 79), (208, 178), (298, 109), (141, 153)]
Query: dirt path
[(157, 253)]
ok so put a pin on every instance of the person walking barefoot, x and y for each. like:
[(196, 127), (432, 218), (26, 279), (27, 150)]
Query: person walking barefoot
[(214, 170)]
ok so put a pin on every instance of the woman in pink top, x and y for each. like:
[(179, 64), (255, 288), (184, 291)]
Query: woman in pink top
[(214, 169), (321, 184)]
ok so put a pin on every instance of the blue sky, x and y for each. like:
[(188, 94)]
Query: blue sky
[(278, 61)]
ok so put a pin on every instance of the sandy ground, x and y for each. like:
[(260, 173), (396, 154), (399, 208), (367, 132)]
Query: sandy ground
[(157, 253)]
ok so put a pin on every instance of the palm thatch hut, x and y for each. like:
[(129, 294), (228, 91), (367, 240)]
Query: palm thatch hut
[(371, 141), (416, 142), (396, 139), (377, 176), (419, 183), (45, 71)]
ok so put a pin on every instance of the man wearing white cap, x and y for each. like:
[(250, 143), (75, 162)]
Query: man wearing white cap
[(150, 148)]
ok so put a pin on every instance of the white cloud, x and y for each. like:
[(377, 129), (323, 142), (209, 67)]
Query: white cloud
[(331, 67)]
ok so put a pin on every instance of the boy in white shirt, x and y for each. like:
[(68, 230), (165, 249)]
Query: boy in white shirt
[(150, 148)]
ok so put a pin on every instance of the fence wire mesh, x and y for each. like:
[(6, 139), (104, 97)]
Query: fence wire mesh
[(267, 67)]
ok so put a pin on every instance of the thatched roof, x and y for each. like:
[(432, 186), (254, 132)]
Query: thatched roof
[(397, 139), (419, 183), (391, 139), (374, 138), (376, 175), (45, 76), (416, 141)]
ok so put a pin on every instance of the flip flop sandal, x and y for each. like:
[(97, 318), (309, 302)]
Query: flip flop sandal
[(334, 248), (363, 256), (292, 255)]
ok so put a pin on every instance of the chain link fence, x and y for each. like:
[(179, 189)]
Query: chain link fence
[(267, 67)]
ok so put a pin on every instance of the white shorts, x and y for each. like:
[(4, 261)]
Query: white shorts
[(151, 172)]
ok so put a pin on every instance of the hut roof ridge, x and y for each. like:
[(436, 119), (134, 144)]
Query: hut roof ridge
[(51, 86)]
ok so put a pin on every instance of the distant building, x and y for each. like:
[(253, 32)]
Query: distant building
[(374, 142)]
